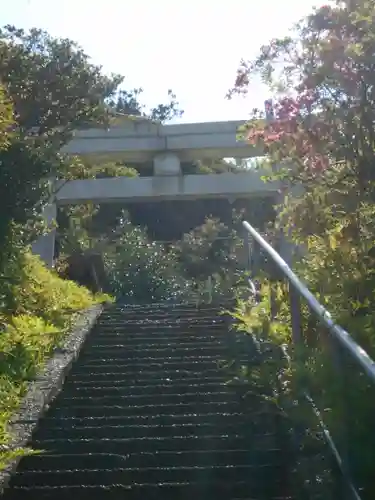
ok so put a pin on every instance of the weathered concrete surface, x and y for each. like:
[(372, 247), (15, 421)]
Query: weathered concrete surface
[(141, 141), (159, 188)]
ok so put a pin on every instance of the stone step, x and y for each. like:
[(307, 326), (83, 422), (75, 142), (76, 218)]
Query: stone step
[(76, 391), (149, 376), (214, 395), (101, 430), (151, 380), (146, 413), (114, 342), (148, 364), (216, 418), (150, 475), (157, 337), (217, 490), (156, 408), (215, 317), (198, 441), (121, 351), (47, 461), (172, 329)]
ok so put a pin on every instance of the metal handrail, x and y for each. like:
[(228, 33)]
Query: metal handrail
[(298, 290), (342, 336)]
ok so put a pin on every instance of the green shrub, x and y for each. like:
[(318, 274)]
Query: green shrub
[(42, 292), (141, 270), (37, 309)]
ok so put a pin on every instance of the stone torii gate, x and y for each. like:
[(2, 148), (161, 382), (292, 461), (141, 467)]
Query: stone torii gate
[(166, 146)]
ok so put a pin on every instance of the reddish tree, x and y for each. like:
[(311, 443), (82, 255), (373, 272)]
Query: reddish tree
[(324, 111)]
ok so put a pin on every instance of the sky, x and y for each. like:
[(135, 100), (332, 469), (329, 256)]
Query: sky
[(190, 46)]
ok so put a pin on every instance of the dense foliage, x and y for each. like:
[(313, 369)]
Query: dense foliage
[(202, 266), (141, 270), (321, 134), (209, 253)]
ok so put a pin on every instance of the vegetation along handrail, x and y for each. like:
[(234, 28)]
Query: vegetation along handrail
[(342, 336), (342, 430)]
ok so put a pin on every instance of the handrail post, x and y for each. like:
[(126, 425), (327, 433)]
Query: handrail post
[(344, 428), (247, 247), (295, 315), (257, 260), (210, 289)]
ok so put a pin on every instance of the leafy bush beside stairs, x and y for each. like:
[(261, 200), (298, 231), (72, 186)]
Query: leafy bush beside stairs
[(37, 308)]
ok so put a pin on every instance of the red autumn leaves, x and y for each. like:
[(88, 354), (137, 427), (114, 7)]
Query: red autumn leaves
[(301, 127)]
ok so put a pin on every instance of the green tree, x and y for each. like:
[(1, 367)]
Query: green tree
[(54, 87), (129, 103), (141, 271), (6, 119), (208, 250), (321, 135), (54, 90), (209, 256)]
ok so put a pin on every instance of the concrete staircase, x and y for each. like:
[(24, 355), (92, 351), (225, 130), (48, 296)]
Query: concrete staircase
[(146, 414)]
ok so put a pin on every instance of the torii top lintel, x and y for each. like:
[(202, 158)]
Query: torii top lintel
[(142, 140)]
